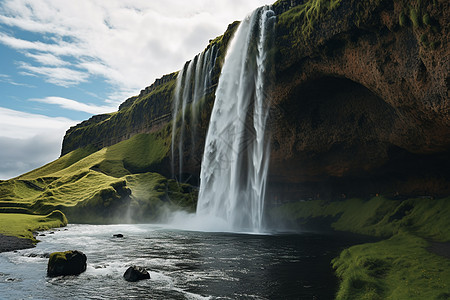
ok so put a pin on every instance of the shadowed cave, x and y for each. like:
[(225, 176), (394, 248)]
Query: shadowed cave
[(333, 137)]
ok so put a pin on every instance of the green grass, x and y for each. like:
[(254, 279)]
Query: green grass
[(396, 268), (399, 267), (23, 225), (114, 184), (61, 163), (378, 216)]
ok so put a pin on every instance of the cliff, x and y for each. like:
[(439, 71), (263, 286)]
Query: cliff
[(359, 102), (361, 99)]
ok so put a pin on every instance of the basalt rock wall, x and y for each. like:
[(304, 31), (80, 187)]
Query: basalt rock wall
[(362, 106)]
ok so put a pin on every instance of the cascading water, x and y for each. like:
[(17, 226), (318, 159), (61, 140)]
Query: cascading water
[(235, 160), (192, 84)]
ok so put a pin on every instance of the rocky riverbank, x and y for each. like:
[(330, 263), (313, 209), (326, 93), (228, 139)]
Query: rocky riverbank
[(11, 243)]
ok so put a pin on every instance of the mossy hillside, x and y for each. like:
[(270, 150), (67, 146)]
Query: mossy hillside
[(140, 116), (399, 267), (61, 163), (23, 225), (103, 187), (377, 216)]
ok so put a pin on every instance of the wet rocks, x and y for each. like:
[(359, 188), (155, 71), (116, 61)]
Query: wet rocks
[(71, 262), (136, 273)]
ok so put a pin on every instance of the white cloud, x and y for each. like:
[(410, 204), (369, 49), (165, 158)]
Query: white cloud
[(57, 75), (20, 125), (130, 43), (29, 140), (75, 105), (19, 156), (47, 59), (59, 48)]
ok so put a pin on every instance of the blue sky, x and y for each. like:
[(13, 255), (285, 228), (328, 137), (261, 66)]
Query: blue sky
[(63, 61)]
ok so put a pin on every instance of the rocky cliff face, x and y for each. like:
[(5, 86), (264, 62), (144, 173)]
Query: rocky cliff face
[(359, 102), (144, 113), (363, 104)]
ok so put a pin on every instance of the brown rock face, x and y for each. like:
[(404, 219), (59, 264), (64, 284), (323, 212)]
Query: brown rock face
[(363, 109)]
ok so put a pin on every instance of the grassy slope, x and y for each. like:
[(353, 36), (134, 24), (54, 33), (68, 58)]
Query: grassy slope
[(23, 225), (398, 267), (116, 183)]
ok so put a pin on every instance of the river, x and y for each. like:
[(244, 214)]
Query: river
[(182, 264)]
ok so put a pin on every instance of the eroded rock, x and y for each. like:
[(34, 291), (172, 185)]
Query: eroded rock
[(71, 262)]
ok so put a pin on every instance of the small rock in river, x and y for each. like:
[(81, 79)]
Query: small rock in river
[(118, 235), (135, 273)]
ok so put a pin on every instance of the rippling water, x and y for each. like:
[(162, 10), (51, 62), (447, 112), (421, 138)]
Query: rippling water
[(182, 265)]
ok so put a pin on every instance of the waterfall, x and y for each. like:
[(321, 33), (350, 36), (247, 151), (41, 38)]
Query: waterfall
[(235, 160), (192, 84)]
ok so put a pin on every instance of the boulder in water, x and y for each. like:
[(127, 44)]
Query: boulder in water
[(71, 262), (136, 273), (118, 235)]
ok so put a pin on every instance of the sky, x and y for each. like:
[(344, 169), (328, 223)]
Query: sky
[(62, 61)]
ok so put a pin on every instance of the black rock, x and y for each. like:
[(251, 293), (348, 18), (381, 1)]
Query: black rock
[(135, 273), (118, 235), (66, 263)]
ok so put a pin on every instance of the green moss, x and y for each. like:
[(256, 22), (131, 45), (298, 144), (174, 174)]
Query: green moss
[(60, 164), (143, 152), (424, 40), (403, 19), (426, 20), (58, 257), (301, 19), (378, 216), (397, 268), (23, 225), (434, 45), (414, 17)]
